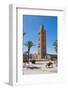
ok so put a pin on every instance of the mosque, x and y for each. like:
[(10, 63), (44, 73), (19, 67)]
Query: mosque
[(42, 50)]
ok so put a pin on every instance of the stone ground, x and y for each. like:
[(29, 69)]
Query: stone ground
[(39, 68)]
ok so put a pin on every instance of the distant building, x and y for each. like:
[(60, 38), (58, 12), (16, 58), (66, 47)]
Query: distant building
[(51, 56)]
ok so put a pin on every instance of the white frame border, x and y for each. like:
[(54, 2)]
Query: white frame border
[(13, 71)]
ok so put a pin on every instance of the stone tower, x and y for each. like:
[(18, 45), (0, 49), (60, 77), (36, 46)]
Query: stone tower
[(41, 43)]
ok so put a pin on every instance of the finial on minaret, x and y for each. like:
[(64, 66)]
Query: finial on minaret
[(41, 27)]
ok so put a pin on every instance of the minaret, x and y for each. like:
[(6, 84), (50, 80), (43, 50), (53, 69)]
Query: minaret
[(41, 43)]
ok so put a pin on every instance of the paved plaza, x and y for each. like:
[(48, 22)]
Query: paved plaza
[(39, 68)]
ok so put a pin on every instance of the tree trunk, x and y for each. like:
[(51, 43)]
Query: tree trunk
[(28, 54)]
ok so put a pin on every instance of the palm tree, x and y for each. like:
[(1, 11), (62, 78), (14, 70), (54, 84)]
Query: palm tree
[(24, 33), (55, 45), (29, 44)]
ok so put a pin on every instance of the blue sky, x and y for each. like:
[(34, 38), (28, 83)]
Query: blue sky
[(31, 27)]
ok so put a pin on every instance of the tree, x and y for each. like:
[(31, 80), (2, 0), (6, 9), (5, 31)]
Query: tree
[(29, 44), (55, 45)]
